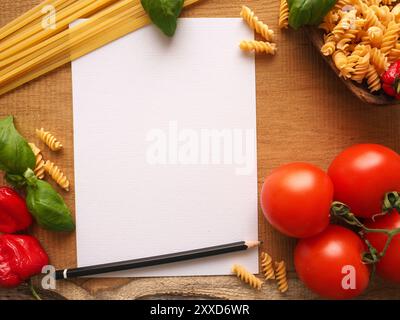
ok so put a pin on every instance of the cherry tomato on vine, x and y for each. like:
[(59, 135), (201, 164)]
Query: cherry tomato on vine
[(296, 199), (362, 175), (389, 266), (330, 264)]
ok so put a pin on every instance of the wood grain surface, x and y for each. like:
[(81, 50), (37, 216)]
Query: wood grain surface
[(304, 113)]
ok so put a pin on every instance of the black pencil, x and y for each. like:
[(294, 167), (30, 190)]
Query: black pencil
[(157, 260)]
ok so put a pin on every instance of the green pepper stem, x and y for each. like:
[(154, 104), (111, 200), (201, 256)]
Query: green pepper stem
[(33, 291)]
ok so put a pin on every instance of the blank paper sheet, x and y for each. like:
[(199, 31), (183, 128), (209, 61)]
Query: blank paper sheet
[(165, 148)]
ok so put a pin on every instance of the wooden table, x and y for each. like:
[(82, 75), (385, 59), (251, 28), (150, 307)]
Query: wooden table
[(304, 114)]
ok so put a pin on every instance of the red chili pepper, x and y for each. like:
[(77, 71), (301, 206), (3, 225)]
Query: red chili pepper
[(14, 215), (391, 80), (21, 257)]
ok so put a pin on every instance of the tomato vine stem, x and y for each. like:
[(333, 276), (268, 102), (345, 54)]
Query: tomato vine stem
[(343, 212)]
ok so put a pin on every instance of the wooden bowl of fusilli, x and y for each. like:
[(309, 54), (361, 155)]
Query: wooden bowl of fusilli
[(359, 39)]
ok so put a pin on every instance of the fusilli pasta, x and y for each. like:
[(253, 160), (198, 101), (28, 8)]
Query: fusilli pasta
[(281, 276), (363, 38), (39, 166), (259, 47), (248, 15), (330, 45), (394, 54), (284, 15), (57, 175), (49, 139), (267, 267), (373, 79), (375, 36), (379, 60), (390, 37), (330, 21), (247, 277), (342, 63), (361, 69)]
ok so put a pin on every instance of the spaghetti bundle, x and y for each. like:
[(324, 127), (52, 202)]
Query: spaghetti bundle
[(28, 50)]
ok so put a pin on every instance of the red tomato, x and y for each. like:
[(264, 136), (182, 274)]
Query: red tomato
[(330, 263), (362, 175), (296, 199), (389, 266)]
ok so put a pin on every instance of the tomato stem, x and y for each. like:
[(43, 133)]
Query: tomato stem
[(391, 202), (342, 211)]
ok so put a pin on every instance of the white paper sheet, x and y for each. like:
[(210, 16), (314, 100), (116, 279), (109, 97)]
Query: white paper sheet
[(147, 181)]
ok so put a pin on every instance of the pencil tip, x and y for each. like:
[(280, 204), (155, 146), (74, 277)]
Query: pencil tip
[(253, 244)]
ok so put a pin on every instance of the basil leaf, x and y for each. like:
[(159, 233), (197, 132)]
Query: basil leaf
[(308, 12), (46, 205), (15, 154), (164, 13), (16, 180)]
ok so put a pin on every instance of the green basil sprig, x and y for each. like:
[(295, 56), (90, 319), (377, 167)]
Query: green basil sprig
[(46, 205), (164, 13), (18, 160), (15, 153), (308, 12)]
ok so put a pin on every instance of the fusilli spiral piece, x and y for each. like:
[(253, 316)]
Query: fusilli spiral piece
[(383, 13), (259, 47), (248, 15), (373, 79), (361, 69), (390, 37), (329, 46), (396, 13), (379, 60), (49, 139), (281, 276), (284, 15), (346, 39), (375, 36), (247, 277), (342, 3), (394, 54), (345, 25), (389, 2), (330, 21), (39, 166), (267, 267), (342, 63), (371, 17), (57, 175)]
